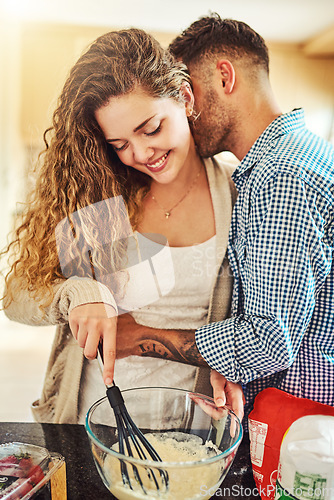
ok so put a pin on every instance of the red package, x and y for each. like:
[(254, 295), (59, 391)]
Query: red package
[(274, 411)]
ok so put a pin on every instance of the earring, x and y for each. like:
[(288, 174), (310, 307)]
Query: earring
[(194, 116), (189, 112)]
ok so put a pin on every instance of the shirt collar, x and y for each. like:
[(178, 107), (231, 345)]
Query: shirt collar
[(283, 124)]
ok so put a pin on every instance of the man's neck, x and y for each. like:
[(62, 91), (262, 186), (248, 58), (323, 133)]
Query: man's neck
[(258, 112)]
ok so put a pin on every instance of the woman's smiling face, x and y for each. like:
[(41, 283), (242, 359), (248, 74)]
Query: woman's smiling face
[(149, 134)]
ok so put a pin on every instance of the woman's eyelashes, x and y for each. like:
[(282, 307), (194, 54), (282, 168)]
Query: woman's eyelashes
[(121, 148), (149, 134), (156, 131)]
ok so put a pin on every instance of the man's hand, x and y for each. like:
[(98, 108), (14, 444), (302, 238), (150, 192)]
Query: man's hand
[(91, 324), (227, 393)]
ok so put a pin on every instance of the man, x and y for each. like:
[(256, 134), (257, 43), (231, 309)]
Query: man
[(281, 239)]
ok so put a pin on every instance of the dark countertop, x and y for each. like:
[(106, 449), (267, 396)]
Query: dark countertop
[(83, 481)]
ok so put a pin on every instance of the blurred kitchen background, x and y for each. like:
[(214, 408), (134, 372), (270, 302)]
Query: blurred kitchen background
[(39, 42)]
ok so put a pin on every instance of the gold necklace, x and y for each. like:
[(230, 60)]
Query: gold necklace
[(169, 212)]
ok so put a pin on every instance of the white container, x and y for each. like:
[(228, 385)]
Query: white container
[(306, 464)]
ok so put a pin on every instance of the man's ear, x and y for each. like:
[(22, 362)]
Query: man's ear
[(188, 97), (226, 75)]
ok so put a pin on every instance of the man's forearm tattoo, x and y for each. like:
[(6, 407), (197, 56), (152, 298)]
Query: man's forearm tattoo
[(186, 352)]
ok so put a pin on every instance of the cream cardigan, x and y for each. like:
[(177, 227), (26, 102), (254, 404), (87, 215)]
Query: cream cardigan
[(59, 399)]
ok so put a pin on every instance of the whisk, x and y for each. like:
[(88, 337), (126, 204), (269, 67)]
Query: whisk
[(131, 438)]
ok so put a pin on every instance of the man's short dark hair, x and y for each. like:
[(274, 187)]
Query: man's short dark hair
[(212, 35)]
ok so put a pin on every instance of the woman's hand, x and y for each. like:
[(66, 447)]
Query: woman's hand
[(227, 393), (92, 323)]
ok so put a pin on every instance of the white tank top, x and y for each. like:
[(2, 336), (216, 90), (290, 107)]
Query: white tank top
[(184, 307)]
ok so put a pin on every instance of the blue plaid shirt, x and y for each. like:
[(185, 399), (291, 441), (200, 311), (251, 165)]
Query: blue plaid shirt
[(281, 333)]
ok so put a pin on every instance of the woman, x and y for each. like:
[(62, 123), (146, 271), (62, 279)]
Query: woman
[(120, 132)]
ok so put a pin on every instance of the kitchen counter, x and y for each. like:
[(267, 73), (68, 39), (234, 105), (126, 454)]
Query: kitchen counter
[(83, 481)]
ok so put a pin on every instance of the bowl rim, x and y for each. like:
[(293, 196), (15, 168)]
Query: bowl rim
[(154, 463)]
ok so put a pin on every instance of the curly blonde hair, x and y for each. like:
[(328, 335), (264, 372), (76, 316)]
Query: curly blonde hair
[(78, 167)]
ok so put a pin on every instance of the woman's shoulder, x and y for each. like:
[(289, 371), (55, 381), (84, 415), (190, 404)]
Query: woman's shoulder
[(226, 162), (220, 169)]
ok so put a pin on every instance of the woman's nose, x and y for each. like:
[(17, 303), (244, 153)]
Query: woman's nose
[(142, 153)]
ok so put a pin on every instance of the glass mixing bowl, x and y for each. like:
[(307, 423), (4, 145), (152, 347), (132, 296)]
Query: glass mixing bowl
[(196, 441)]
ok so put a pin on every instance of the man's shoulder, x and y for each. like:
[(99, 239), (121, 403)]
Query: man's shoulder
[(304, 146), (306, 156)]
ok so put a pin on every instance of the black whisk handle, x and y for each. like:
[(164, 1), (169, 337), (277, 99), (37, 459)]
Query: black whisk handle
[(115, 397)]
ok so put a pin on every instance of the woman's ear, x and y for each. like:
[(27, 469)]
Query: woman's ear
[(188, 98), (226, 74)]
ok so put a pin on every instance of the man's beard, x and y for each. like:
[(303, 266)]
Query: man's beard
[(211, 129)]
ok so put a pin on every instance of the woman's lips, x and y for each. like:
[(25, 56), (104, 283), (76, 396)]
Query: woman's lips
[(159, 164)]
